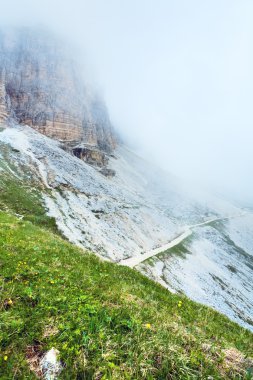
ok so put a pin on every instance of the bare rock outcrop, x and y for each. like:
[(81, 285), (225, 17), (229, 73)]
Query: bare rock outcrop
[(90, 155), (3, 104), (43, 87)]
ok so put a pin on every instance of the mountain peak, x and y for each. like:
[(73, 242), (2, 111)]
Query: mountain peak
[(43, 87)]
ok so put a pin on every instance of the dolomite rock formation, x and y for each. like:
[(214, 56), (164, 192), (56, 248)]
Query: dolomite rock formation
[(41, 86), (3, 105), (91, 156)]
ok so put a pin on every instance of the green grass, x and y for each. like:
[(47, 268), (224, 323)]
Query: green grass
[(20, 192), (107, 321), (96, 313), (24, 199)]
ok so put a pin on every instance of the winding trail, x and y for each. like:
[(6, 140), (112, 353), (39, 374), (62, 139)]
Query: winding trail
[(135, 260)]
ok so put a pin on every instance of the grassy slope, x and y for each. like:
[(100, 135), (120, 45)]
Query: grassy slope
[(107, 321), (19, 195)]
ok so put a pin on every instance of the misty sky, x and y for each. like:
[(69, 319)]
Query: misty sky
[(177, 76)]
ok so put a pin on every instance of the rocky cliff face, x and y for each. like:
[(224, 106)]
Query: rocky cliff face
[(41, 86)]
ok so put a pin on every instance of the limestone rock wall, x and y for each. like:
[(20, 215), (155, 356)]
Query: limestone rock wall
[(43, 87), (3, 104)]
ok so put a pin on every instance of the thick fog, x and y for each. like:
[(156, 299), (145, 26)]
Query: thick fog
[(177, 76)]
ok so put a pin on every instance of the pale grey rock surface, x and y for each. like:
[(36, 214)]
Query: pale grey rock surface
[(137, 210)]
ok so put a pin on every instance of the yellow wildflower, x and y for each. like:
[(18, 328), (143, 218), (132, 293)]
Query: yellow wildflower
[(148, 326), (5, 358), (9, 302)]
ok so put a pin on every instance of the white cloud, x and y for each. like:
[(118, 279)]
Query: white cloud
[(177, 77)]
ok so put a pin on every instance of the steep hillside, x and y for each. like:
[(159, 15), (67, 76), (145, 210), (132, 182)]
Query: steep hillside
[(68, 188), (107, 321), (211, 267), (137, 210)]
